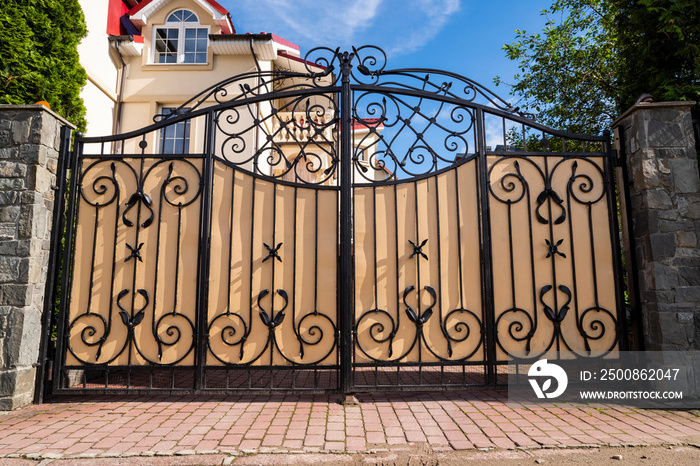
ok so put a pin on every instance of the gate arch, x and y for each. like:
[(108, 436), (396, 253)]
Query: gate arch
[(353, 229)]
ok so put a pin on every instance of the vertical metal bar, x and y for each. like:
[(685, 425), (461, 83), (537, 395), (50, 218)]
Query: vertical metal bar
[(419, 333), (273, 335), (294, 278), (555, 288), (204, 252), (618, 187), (439, 268), (345, 294), (68, 254), (131, 343), (487, 262), (376, 280), (398, 286), (54, 265), (337, 293), (250, 283)]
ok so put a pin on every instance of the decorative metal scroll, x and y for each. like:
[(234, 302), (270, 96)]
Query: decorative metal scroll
[(405, 122), (418, 272), (294, 139), (550, 292), (271, 303), (130, 224)]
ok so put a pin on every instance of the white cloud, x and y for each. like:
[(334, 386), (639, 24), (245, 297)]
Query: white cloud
[(430, 17), (399, 26), (325, 22)]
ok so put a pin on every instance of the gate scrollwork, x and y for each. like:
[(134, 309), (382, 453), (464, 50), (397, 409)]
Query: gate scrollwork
[(564, 276), (127, 245)]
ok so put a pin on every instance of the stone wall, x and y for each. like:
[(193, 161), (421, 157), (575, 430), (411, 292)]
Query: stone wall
[(657, 143), (30, 138)]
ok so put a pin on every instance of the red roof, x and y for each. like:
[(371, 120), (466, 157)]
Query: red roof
[(281, 41), (214, 5), (370, 122), (139, 7), (284, 54), (226, 29), (115, 10)]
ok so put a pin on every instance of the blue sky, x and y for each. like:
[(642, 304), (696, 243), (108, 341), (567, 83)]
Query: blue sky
[(462, 36)]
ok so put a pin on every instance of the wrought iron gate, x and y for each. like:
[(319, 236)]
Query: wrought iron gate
[(346, 228)]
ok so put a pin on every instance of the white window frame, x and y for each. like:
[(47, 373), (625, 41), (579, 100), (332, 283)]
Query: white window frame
[(170, 133), (181, 27)]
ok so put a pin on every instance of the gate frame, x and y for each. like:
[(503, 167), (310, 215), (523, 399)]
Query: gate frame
[(70, 162)]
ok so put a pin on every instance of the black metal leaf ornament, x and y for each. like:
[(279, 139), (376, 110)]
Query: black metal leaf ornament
[(139, 196)]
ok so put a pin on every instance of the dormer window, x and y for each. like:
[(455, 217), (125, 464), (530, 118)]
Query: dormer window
[(181, 39)]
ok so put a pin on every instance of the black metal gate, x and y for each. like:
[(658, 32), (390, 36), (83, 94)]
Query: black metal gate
[(346, 228)]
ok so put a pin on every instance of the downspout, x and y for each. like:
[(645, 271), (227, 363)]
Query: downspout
[(120, 96), (257, 106), (255, 57)]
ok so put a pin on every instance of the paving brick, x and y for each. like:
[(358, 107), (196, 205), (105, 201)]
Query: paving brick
[(231, 440), (396, 440), (273, 440), (335, 435), (314, 440), (254, 434), (375, 437), (316, 430), (415, 436), (293, 444), (355, 432), (355, 444), (394, 432), (437, 440), (190, 440), (334, 446), (461, 445), (474, 420)]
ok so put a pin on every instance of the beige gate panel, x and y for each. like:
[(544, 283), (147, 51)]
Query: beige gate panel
[(230, 300), (417, 270), (591, 261), (458, 231), (551, 248), (273, 273), (133, 296)]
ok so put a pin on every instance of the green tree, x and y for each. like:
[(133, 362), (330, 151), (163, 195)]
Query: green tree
[(39, 57), (595, 58), (658, 48), (567, 72)]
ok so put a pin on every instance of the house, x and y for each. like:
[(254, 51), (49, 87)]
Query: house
[(134, 47), (147, 59)]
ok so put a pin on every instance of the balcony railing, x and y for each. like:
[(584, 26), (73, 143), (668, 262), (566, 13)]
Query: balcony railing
[(291, 127)]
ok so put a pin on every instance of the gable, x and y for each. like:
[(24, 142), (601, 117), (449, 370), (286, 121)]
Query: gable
[(141, 13)]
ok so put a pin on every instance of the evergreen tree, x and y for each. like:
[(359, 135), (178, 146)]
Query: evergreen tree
[(39, 57)]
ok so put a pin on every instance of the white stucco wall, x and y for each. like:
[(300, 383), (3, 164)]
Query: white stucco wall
[(100, 92), (100, 110)]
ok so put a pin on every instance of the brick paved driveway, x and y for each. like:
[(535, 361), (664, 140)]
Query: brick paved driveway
[(114, 426)]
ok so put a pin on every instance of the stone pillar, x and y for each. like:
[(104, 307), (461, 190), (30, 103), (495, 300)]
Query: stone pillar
[(657, 145), (30, 137)]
